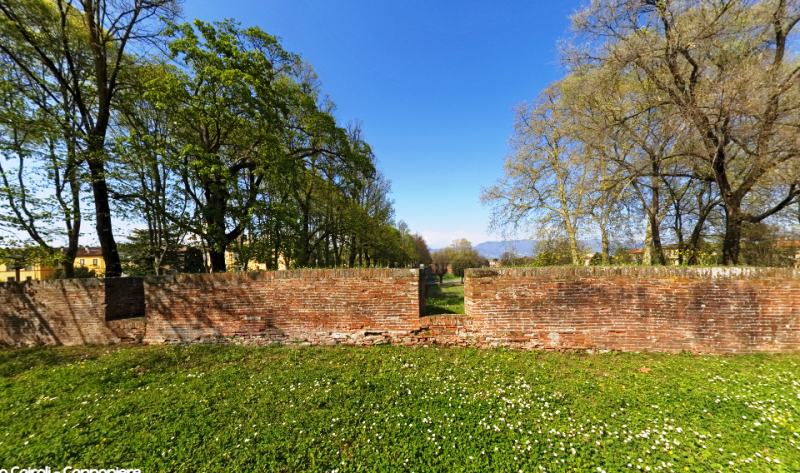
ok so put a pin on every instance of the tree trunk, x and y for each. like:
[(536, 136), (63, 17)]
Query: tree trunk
[(656, 238), (105, 232), (74, 216), (277, 254), (217, 197), (573, 243), (69, 263), (217, 260), (605, 246), (337, 256), (303, 257), (647, 248), (74, 232), (733, 236), (694, 242), (655, 231), (678, 227), (206, 269), (704, 210)]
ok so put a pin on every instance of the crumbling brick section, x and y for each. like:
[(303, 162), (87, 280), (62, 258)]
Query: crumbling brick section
[(447, 330), (311, 307), (71, 312), (706, 310)]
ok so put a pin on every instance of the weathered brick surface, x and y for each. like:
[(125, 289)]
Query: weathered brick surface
[(707, 310), (71, 312), (447, 330), (124, 298), (355, 307)]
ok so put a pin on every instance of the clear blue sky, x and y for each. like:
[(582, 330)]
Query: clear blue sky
[(433, 82)]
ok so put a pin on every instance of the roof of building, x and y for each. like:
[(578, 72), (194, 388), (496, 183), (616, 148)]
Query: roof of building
[(87, 251)]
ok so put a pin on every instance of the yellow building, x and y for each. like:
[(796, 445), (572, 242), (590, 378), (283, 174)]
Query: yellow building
[(90, 258), (28, 273), (231, 262)]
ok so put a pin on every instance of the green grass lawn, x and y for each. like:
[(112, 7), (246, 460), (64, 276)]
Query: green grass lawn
[(445, 277), (226, 408), (444, 299)]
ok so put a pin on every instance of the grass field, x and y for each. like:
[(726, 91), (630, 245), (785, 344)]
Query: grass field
[(444, 299), (445, 277), (225, 408)]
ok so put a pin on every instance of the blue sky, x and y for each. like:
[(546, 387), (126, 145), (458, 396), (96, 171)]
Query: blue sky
[(433, 83)]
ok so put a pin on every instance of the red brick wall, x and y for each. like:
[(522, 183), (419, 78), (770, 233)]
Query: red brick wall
[(708, 310), (71, 312), (363, 306)]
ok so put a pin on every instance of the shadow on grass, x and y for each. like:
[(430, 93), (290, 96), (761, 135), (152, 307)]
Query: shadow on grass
[(14, 361), (445, 299)]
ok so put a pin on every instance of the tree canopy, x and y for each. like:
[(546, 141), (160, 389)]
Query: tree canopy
[(207, 134), (676, 119)]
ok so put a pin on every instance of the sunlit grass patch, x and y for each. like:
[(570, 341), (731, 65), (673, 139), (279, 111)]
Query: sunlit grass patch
[(221, 408)]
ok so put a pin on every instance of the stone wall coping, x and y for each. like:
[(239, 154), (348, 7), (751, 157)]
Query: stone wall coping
[(87, 282), (308, 274), (636, 272), (374, 273)]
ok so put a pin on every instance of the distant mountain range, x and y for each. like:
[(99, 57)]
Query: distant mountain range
[(495, 249)]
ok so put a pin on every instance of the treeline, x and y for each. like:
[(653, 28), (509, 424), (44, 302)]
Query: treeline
[(679, 120), (210, 134), (456, 258)]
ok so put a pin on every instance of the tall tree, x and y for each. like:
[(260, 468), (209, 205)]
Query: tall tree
[(462, 256), (39, 36), (423, 252), (41, 150), (146, 188), (440, 264), (547, 182), (243, 115), (726, 69)]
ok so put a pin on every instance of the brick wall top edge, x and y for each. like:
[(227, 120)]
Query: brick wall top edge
[(413, 274), (637, 272), (88, 282)]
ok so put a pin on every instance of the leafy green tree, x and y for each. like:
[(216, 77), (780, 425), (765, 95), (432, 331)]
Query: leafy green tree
[(440, 264), (553, 252), (460, 265), (242, 116), (462, 257), (726, 73), (408, 246), (146, 188), (42, 174), (548, 180), (80, 50), (371, 215), (141, 257), (423, 252)]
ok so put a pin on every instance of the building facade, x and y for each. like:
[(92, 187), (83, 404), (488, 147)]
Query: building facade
[(87, 257)]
